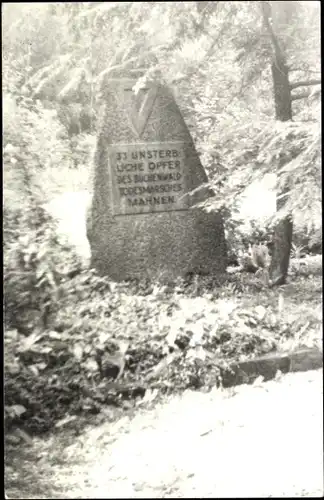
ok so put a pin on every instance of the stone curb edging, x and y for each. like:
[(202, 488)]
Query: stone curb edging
[(246, 372)]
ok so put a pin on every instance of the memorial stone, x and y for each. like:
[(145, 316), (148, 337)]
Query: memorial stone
[(142, 220)]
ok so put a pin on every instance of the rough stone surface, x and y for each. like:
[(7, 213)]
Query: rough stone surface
[(141, 223), (246, 372), (306, 359)]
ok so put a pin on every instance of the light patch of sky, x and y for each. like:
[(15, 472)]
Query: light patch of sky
[(260, 198)]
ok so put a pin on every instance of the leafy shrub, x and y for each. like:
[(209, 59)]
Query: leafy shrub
[(311, 243), (241, 235), (35, 262), (232, 226), (11, 219), (82, 147), (178, 338), (36, 134)]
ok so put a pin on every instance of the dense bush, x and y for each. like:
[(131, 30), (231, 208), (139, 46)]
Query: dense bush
[(240, 235), (35, 263), (56, 371), (177, 335), (34, 259), (34, 135), (82, 146), (309, 243)]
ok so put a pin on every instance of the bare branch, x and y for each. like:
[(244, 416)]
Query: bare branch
[(304, 95), (123, 65), (304, 70), (304, 83)]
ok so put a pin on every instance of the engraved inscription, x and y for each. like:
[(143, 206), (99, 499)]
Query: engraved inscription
[(147, 177), (138, 107)]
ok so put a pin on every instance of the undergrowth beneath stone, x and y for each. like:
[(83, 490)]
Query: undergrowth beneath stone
[(176, 335)]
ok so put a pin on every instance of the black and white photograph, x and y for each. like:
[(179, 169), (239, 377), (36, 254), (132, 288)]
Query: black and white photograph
[(162, 249)]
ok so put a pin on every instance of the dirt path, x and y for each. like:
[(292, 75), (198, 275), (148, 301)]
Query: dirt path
[(263, 440)]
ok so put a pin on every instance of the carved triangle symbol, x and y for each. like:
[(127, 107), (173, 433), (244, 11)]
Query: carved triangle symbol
[(139, 107)]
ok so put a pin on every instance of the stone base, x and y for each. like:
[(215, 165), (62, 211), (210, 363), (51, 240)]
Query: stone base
[(164, 245)]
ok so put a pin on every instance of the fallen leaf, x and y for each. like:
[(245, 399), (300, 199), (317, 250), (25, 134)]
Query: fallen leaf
[(24, 436), (41, 366), (11, 334), (65, 420), (55, 335), (198, 333), (280, 303), (78, 352), (34, 370), (91, 365), (261, 312), (17, 410), (258, 381), (150, 395), (13, 368), (30, 341)]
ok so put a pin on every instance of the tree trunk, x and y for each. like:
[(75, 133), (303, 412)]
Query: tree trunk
[(283, 231), (282, 240), (283, 111), (281, 89)]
